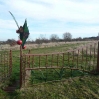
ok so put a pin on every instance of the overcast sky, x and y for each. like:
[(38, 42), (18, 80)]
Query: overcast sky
[(79, 17)]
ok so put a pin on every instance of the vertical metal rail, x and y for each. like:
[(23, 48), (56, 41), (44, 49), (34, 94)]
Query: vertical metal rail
[(7, 63), (86, 58), (46, 62), (52, 61), (63, 61), (32, 61), (82, 61), (23, 70), (97, 69), (94, 57), (57, 59), (4, 65), (39, 61), (29, 59), (0, 68), (68, 60), (73, 59), (10, 63), (24, 65), (90, 57), (77, 58), (20, 66)]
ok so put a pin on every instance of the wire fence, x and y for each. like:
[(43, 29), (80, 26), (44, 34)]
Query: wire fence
[(51, 66), (5, 65), (83, 59)]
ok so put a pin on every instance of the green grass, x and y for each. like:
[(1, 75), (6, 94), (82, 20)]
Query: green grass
[(41, 76), (86, 87), (70, 86)]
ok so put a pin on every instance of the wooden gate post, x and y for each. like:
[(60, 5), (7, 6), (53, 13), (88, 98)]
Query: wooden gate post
[(20, 66), (97, 69)]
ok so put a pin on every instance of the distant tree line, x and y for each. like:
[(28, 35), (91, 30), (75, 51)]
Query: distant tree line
[(67, 37)]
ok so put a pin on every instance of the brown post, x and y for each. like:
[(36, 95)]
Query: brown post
[(10, 61), (98, 58), (29, 59), (20, 66)]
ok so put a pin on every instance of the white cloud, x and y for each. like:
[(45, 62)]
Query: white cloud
[(66, 10), (40, 12), (7, 24)]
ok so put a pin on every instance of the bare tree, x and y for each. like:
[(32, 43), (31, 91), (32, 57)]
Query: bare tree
[(67, 36), (54, 38), (43, 38), (38, 41), (11, 42), (79, 39)]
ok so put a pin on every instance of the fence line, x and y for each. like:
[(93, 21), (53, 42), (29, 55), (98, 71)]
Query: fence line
[(5, 65), (83, 59)]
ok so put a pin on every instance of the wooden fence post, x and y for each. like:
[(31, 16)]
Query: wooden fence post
[(29, 58), (10, 62), (20, 66), (98, 58)]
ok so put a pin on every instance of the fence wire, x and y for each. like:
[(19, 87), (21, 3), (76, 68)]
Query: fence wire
[(83, 60), (5, 65)]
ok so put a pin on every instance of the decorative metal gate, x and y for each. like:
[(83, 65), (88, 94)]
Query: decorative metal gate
[(83, 59)]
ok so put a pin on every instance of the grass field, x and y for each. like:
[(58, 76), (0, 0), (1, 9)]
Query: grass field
[(83, 87)]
